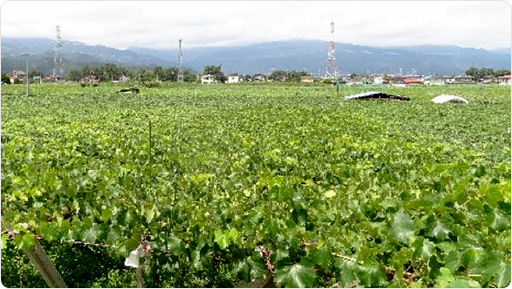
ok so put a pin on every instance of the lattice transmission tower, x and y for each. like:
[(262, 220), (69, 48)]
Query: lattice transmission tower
[(57, 60), (180, 64), (330, 68)]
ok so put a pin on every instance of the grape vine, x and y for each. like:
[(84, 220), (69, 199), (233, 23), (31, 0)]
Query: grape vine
[(290, 181)]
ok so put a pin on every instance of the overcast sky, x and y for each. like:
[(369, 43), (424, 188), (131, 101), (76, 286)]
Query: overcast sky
[(160, 24)]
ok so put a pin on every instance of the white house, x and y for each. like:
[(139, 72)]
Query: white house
[(124, 78), (234, 79), (378, 79), (259, 77), (16, 75), (460, 79), (208, 78), (504, 80), (307, 79), (399, 82), (435, 80)]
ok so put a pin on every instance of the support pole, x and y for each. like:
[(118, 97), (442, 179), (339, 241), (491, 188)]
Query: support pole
[(45, 267), (138, 273), (28, 81)]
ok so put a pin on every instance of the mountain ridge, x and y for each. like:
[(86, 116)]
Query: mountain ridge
[(264, 57), (310, 55)]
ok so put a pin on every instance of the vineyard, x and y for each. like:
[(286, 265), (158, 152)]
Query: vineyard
[(224, 185)]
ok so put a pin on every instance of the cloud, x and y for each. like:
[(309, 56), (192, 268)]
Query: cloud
[(159, 24)]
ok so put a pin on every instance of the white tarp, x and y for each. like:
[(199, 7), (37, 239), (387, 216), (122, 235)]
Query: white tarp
[(448, 98)]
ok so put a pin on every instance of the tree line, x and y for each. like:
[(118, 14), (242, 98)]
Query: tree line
[(111, 72), (478, 74)]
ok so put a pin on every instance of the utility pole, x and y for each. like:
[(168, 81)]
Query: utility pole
[(180, 64), (27, 78), (330, 69), (57, 60)]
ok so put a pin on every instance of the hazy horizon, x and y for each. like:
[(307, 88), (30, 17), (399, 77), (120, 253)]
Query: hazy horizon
[(256, 43), (160, 24)]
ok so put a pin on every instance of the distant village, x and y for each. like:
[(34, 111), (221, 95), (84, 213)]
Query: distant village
[(378, 79), (18, 76)]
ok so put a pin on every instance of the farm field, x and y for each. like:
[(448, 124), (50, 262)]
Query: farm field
[(240, 180)]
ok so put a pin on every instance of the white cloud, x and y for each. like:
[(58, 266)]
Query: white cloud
[(160, 24)]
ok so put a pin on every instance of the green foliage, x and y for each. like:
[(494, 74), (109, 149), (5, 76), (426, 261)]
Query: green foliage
[(298, 275), (321, 190), (216, 71), (501, 72), (78, 265), (5, 78), (401, 227), (110, 72), (291, 75), (480, 73), (279, 75)]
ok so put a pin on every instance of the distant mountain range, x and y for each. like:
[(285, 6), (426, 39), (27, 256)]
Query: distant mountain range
[(74, 55), (308, 55)]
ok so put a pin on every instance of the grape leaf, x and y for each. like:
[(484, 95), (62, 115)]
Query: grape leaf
[(221, 239), (91, 234), (453, 260), (279, 254), (329, 194), (4, 241), (250, 268), (371, 275), (439, 229), (402, 227), (322, 257), (300, 217), (299, 275), (195, 258), (105, 215), (113, 235), (345, 271), (232, 234), (175, 245), (45, 231), (503, 278), (423, 248), (459, 283), (29, 240), (444, 280), (497, 221)]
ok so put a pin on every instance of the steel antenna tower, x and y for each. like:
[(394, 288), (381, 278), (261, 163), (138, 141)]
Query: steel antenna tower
[(330, 69), (57, 60), (180, 64)]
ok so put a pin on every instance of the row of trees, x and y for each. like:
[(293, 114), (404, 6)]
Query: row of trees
[(216, 71), (290, 75), (278, 75), (479, 74), (111, 72)]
